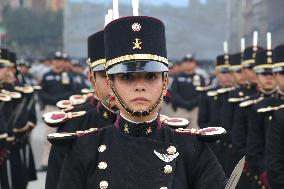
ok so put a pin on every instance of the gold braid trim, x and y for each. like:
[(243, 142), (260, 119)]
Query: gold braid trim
[(136, 57), (96, 63), (249, 61), (279, 64), (236, 67), (263, 66)]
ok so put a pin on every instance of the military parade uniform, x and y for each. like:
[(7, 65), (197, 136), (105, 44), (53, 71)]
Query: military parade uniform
[(59, 82), (18, 119), (135, 164), (241, 117), (55, 86), (274, 145), (128, 154), (267, 142), (229, 105), (80, 80), (209, 105), (22, 127), (4, 99), (184, 96), (275, 151), (100, 116)]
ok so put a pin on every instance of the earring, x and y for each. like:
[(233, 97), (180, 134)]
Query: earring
[(167, 94)]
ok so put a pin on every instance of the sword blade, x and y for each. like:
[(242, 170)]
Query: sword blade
[(236, 174), (9, 173)]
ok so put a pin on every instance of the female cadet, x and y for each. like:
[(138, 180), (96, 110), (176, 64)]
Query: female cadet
[(138, 152)]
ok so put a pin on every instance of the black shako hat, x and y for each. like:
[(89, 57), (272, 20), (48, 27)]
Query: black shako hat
[(263, 62), (96, 51), (23, 62), (249, 56), (13, 58), (135, 44), (278, 59), (222, 63), (235, 62), (4, 58)]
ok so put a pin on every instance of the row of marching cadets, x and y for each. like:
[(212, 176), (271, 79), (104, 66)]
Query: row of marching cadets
[(248, 103), (17, 120), (62, 80), (115, 137)]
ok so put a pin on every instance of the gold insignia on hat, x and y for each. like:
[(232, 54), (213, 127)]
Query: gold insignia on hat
[(137, 44), (126, 129), (105, 115), (241, 93), (136, 27), (148, 130)]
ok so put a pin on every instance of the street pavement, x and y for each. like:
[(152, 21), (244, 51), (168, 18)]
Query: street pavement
[(37, 140)]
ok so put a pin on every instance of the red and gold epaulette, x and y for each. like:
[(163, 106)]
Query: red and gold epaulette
[(12, 94), (175, 122), (68, 138), (68, 105), (56, 118), (240, 99), (163, 117), (77, 99), (3, 136), (37, 87), (5, 97), (203, 88), (209, 134), (225, 90), (270, 108), (25, 89), (87, 91), (250, 102), (62, 104)]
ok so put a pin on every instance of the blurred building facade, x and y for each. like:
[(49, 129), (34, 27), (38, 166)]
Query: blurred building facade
[(196, 27), (34, 4), (245, 16)]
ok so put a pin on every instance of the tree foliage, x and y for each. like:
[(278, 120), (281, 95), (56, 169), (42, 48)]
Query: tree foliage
[(33, 33)]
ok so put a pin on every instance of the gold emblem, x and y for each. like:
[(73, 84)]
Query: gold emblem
[(136, 27), (103, 185), (102, 148), (137, 44), (102, 165), (168, 169), (148, 130), (105, 115), (269, 60), (65, 78), (126, 129), (241, 93), (171, 150)]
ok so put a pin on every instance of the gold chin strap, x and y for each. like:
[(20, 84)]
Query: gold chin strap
[(138, 113)]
